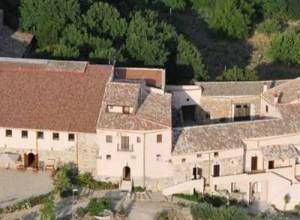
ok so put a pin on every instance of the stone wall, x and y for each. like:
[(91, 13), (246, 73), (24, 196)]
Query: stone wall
[(220, 108), (229, 166), (46, 157), (88, 148)]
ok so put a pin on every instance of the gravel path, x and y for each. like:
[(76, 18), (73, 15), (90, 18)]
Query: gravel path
[(19, 185)]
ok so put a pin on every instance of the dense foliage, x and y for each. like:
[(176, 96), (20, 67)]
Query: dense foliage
[(238, 74), (161, 33), (47, 211), (285, 48), (96, 206), (97, 31)]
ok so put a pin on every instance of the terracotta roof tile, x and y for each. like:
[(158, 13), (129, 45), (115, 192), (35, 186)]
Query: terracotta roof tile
[(32, 97), (153, 77), (230, 135)]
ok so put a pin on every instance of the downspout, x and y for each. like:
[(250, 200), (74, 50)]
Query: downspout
[(144, 161), (77, 155)]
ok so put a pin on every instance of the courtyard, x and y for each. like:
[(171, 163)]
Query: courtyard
[(19, 185)]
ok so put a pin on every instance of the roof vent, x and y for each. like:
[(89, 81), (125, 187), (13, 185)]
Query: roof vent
[(265, 87), (275, 98)]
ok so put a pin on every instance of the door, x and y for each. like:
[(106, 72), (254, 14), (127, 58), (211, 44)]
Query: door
[(254, 163), (216, 170), (126, 173), (271, 164)]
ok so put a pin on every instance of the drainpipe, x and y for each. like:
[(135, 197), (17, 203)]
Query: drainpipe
[(144, 161), (77, 160)]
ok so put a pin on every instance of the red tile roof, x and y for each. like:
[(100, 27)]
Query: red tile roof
[(35, 97), (153, 77)]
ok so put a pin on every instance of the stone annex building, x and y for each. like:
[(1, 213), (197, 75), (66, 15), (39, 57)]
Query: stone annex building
[(237, 139)]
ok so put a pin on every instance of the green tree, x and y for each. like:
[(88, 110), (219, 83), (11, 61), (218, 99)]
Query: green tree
[(275, 9), (46, 19), (269, 26), (63, 180), (189, 59), (231, 18), (174, 4), (104, 20), (47, 211), (238, 74), (285, 48), (150, 40)]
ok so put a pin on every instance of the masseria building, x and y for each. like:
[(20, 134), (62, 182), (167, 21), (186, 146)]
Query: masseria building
[(236, 139)]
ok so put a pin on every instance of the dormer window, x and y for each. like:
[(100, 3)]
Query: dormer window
[(126, 110)]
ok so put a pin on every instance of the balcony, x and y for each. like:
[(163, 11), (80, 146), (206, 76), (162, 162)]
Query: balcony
[(125, 148)]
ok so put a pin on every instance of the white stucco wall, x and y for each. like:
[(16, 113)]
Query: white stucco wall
[(185, 95), (142, 157)]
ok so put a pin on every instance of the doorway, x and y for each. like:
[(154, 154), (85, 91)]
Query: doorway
[(254, 163), (126, 173), (31, 160), (216, 171), (197, 173)]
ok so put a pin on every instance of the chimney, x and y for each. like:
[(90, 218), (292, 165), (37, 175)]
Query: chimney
[(275, 98), (265, 88), (1, 18)]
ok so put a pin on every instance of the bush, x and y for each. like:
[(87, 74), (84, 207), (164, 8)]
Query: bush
[(238, 74), (96, 206), (48, 210), (285, 48), (213, 200), (80, 212), (170, 214), (207, 211), (138, 189), (25, 204), (269, 26), (64, 178)]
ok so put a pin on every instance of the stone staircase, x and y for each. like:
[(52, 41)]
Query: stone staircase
[(125, 185)]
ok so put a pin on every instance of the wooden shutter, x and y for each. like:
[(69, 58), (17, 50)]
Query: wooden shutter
[(25, 160)]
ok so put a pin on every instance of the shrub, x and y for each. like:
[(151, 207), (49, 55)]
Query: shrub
[(214, 200), (285, 48), (64, 177), (138, 189), (269, 26), (238, 74), (207, 211), (96, 206), (170, 214), (48, 210)]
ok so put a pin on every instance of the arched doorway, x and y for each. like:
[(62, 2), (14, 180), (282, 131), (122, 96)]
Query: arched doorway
[(197, 173), (31, 160), (126, 173)]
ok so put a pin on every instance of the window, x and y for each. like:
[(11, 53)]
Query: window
[(159, 138), (108, 157), (187, 99), (71, 137), (108, 139), (125, 143), (138, 140), (40, 135), (216, 170), (126, 110), (216, 154), (24, 134), (199, 155), (158, 157), (267, 108), (183, 160), (55, 136), (8, 133)]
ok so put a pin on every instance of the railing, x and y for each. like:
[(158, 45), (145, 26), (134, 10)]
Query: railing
[(129, 149)]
